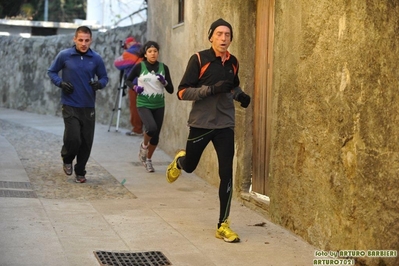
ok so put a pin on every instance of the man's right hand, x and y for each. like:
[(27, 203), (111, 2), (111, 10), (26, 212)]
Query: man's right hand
[(67, 87), (222, 86)]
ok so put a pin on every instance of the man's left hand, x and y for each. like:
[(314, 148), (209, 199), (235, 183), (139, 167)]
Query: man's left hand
[(95, 85), (244, 99)]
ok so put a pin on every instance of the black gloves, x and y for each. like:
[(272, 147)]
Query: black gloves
[(225, 86), (66, 87), (241, 97), (95, 85), (222, 86), (244, 99)]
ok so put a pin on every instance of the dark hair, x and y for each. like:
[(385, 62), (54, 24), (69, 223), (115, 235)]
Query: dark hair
[(148, 45), (84, 29)]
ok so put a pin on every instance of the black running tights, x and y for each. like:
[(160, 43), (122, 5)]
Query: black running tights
[(223, 142)]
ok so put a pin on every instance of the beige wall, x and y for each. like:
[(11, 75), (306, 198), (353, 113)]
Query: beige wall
[(178, 43), (335, 156)]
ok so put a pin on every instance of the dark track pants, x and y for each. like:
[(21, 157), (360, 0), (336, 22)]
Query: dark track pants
[(78, 136)]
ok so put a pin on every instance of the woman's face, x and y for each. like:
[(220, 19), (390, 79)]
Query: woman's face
[(152, 55)]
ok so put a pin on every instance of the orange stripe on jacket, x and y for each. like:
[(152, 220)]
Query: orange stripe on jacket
[(235, 68), (180, 93), (203, 68)]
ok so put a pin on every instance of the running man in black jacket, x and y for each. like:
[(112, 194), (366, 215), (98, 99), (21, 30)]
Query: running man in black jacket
[(211, 82)]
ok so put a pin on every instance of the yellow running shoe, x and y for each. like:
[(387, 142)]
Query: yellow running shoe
[(172, 173), (224, 232)]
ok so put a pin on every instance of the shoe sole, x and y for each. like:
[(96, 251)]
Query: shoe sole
[(225, 239), (67, 173)]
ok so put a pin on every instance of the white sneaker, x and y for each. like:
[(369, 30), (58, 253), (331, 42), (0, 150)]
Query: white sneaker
[(148, 166), (143, 154)]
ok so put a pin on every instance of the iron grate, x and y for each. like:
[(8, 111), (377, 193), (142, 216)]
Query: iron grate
[(17, 193), (150, 258), (11, 184)]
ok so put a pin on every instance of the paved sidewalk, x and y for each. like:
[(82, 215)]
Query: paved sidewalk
[(47, 219)]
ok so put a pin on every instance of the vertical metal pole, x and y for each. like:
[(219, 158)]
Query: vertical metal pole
[(46, 10), (119, 106)]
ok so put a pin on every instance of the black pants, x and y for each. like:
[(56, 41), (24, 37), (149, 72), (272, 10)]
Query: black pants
[(223, 142), (78, 136), (152, 120)]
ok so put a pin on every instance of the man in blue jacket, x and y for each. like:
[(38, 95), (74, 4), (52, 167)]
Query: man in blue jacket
[(83, 74)]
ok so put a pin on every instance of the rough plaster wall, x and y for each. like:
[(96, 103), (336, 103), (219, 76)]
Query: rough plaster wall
[(178, 43), (26, 86), (335, 156)]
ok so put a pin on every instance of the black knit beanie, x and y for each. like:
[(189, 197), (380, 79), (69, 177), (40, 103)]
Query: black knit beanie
[(217, 23)]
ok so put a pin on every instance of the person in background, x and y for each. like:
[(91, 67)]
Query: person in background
[(83, 74), (129, 58), (211, 82), (149, 79)]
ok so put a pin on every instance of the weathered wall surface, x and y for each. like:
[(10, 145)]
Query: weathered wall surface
[(334, 159), (335, 155), (23, 73), (178, 43)]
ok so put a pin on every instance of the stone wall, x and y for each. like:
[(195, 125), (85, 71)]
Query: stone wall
[(23, 76), (335, 155)]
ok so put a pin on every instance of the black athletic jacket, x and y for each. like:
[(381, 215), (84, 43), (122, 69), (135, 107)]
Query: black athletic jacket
[(203, 70)]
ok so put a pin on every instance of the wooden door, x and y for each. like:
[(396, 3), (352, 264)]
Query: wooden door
[(263, 95)]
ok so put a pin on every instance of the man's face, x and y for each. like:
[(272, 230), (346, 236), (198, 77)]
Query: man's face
[(221, 39), (82, 41)]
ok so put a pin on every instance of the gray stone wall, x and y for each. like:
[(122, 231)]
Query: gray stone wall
[(335, 155), (23, 74)]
